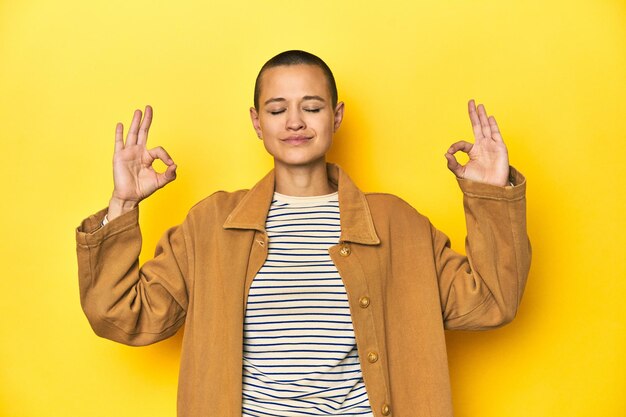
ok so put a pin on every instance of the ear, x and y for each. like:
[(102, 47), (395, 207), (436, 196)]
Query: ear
[(256, 123), (338, 115)]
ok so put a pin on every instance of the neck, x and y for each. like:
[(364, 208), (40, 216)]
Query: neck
[(303, 181)]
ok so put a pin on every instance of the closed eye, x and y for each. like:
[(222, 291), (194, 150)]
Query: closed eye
[(275, 112), (312, 110)]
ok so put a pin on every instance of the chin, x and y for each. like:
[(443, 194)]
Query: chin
[(300, 161)]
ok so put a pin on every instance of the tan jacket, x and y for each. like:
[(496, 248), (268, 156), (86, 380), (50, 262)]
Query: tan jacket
[(404, 286)]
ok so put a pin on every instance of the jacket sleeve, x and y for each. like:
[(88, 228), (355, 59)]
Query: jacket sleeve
[(483, 289), (125, 303)]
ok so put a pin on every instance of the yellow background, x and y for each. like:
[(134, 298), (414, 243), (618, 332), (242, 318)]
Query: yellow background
[(553, 73)]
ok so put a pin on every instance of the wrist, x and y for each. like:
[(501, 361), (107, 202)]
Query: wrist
[(119, 207)]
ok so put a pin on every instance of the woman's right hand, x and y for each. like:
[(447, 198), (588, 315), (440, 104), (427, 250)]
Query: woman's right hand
[(134, 177)]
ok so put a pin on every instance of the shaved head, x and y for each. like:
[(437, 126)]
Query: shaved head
[(296, 57)]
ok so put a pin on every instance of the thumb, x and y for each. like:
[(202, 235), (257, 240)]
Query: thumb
[(168, 176), (454, 166)]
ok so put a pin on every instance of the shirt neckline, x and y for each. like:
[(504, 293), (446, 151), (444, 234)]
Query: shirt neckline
[(306, 199)]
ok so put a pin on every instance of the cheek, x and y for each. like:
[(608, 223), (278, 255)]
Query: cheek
[(328, 126), (263, 127), (321, 124), (270, 124)]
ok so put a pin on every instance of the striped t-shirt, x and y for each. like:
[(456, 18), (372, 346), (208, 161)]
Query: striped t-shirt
[(300, 356)]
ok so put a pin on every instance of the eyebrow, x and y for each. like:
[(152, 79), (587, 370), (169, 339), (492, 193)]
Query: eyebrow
[(305, 98), (313, 98)]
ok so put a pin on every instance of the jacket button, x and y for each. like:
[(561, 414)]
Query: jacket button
[(364, 302), (345, 250), (386, 410), (372, 357)]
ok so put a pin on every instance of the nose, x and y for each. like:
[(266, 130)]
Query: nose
[(294, 120)]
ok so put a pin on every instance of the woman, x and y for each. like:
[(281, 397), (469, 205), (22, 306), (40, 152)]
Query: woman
[(303, 295)]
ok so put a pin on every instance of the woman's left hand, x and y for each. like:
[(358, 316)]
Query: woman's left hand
[(488, 157)]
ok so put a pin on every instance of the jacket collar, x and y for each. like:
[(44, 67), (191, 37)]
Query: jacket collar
[(355, 217)]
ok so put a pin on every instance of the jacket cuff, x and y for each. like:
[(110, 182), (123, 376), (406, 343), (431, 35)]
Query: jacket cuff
[(509, 192), (92, 233)]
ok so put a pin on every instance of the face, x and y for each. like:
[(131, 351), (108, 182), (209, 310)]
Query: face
[(295, 118)]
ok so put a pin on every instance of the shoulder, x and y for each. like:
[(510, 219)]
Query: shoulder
[(382, 201), (395, 220), (216, 206), (390, 207)]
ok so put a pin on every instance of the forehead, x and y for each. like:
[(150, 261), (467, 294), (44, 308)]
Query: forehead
[(293, 81)]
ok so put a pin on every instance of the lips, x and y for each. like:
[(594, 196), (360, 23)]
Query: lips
[(296, 139)]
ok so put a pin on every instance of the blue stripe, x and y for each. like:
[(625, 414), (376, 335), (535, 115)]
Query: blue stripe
[(332, 226), (296, 300), (298, 344), (292, 272), (308, 329), (292, 351), (280, 235), (306, 373), (304, 286), (290, 213), (292, 336), (301, 314), (287, 279), (294, 307)]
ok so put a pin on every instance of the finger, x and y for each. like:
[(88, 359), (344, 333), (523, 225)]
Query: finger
[(462, 146), (161, 154), (473, 115), (454, 166), (145, 126), (484, 122), (168, 176), (131, 138), (495, 130), (119, 137)]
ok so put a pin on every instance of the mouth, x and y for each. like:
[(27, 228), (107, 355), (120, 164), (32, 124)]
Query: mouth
[(297, 139)]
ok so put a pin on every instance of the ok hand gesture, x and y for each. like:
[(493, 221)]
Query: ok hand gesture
[(133, 175), (488, 157)]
